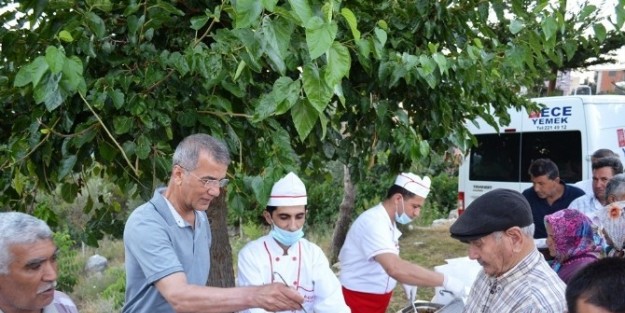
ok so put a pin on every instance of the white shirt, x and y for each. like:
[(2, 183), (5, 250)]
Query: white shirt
[(61, 303), (304, 267), (372, 233), (589, 205), (586, 186)]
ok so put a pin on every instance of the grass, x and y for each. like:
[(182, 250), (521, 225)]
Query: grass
[(426, 246), (90, 292)]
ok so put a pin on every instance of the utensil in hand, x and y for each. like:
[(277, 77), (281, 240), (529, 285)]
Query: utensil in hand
[(284, 281)]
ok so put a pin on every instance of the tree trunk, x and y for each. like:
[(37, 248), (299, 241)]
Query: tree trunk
[(222, 270), (345, 212), (551, 87)]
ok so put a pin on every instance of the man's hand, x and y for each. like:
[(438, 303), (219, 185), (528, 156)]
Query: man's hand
[(278, 297), (454, 286)]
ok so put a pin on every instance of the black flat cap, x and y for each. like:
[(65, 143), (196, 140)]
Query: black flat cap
[(496, 210)]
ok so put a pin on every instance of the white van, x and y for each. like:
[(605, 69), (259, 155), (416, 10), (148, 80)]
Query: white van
[(567, 131)]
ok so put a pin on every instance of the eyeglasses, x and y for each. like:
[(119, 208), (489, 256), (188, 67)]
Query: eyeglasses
[(207, 182)]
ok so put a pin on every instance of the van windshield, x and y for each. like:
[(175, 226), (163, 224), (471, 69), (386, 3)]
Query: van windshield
[(497, 157)]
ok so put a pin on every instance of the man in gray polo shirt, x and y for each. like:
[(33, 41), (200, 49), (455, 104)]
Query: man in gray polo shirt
[(167, 242)]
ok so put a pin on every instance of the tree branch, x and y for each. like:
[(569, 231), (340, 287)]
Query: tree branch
[(134, 169)]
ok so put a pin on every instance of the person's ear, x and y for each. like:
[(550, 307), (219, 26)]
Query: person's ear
[(267, 217), (177, 173), (516, 237)]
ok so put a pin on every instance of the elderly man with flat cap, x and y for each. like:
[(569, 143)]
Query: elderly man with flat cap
[(498, 226), (370, 262)]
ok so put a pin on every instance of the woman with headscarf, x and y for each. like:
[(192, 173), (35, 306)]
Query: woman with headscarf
[(570, 242)]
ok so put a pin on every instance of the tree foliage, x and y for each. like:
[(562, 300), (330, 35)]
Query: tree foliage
[(289, 85)]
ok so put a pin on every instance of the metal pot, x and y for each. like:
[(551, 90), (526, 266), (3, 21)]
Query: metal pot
[(455, 306), (422, 307)]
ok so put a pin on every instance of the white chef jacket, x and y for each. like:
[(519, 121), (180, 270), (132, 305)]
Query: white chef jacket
[(305, 268), (372, 233)]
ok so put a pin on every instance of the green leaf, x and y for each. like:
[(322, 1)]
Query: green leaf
[(187, 118), (49, 92), (72, 74), (380, 35), (84, 135), (620, 16), (96, 24), (117, 97), (304, 117), (260, 187), (143, 147), (339, 63), (302, 10), (269, 5), (600, 31), (319, 36), (427, 65), (424, 148), (122, 124), (69, 191), (32, 72), (587, 11), (275, 38), (382, 24), (327, 10), (266, 107), (179, 63), (247, 12), (317, 91), (66, 36), (549, 27), (240, 68), (134, 23), (441, 61), (169, 8), (286, 92), (67, 164), (569, 49), (516, 26), (350, 18), (198, 22)]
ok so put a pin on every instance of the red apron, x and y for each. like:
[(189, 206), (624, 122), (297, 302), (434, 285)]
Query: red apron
[(362, 302)]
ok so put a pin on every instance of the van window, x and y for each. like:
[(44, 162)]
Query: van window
[(497, 158)]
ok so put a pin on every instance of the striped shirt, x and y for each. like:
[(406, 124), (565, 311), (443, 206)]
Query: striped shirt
[(531, 286)]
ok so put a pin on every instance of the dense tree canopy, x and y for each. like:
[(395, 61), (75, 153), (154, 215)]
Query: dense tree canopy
[(287, 84)]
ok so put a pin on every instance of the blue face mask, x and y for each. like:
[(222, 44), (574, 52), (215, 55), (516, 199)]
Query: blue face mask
[(285, 237), (403, 218)]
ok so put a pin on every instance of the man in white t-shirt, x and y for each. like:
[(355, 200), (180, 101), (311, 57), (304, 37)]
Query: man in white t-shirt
[(370, 261)]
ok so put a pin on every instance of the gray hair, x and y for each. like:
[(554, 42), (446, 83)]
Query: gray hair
[(19, 228), (615, 187), (188, 151), (527, 231)]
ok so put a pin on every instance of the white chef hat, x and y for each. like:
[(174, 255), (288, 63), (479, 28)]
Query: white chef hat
[(288, 191), (415, 184)]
